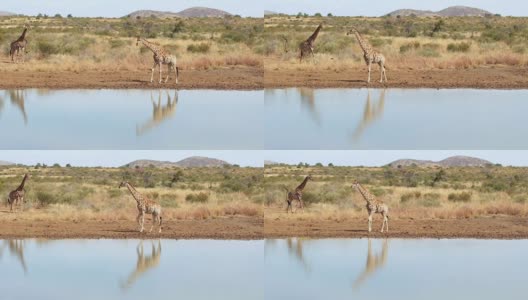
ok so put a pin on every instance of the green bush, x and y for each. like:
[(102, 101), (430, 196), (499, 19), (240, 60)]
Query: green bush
[(197, 198), (459, 197), (47, 48), (409, 46), (198, 48), (117, 43), (458, 47), (44, 198)]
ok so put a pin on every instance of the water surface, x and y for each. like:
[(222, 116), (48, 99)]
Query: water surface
[(130, 119), (130, 269), (395, 269), (392, 119)]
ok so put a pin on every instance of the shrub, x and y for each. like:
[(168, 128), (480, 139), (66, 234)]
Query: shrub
[(459, 197), (47, 48), (409, 46), (44, 198), (116, 43), (198, 48), (458, 47), (197, 198)]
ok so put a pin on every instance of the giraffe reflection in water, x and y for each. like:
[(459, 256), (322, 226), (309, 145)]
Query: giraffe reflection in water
[(144, 263), (295, 248), (160, 112), (17, 98), (371, 112), (16, 248), (308, 99), (374, 262)]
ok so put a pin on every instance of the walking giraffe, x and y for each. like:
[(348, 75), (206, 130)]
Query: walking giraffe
[(16, 196), (297, 194), (370, 55), (373, 206), (161, 57), (19, 45), (144, 206), (307, 46)]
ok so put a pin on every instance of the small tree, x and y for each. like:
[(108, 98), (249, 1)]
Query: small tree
[(330, 164), (318, 164), (318, 15), (58, 16), (329, 15), (70, 16)]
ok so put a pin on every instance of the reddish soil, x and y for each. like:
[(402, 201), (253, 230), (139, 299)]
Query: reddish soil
[(482, 228), (240, 78), (482, 78), (221, 228)]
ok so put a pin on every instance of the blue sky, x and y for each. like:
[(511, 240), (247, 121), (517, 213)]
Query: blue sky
[(383, 157), (116, 158), (118, 8)]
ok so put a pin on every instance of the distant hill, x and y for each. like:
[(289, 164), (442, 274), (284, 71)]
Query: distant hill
[(453, 161), (270, 13), (6, 163), (193, 12), (270, 162), (190, 162), (6, 14), (452, 11)]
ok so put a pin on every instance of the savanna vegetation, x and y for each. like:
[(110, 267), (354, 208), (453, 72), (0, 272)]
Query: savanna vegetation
[(82, 193), (410, 192), (76, 44), (407, 42)]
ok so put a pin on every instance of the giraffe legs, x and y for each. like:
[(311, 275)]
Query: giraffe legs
[(160, 78), (154, 219), (140, 219), (382, 73), (152, 72), (169, 67), (370, 221), (369, 67)]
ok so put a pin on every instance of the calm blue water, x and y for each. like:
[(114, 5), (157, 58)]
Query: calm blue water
[(392, 119), (130, 119), (395, 269), (131, 269)]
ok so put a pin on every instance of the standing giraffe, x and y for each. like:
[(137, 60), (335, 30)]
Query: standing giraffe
[(161, 57), (19, 45), (307, 46), (373, 206), (370, 54), (17, 195), (297, 194), (144, 206)]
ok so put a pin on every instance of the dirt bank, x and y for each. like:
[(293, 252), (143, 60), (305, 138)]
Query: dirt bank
[(482, 78), (484, 228), (221, 228), (240, 78)]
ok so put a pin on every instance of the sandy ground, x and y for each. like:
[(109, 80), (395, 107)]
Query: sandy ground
[(482, 78), (482, 228), (222, 228), (240, 78)]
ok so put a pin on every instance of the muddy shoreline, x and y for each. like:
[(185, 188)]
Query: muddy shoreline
[(243, 78), (236, 228), (478, 228), (478, 78)]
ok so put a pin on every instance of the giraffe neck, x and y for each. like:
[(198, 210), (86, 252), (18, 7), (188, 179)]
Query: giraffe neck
[(150, 46), (303, 184), (366, 195), (312, 38), (23, 36), (134, 193), (21, 186), (365, 46)]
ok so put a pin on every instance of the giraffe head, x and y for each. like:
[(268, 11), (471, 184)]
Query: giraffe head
[(138, 40), (355, 184), (26, 176), (352, 30), (309, 177), (122, 184)]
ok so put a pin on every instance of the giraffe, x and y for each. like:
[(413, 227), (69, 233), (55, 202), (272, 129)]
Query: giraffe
[(307, 46), (159, 112), (370, 55), (297, 194), (374, 262), (19, 45), (144, 206), (144, 263), (17, 195), (16, 248), (161, 57), (373, 206)]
